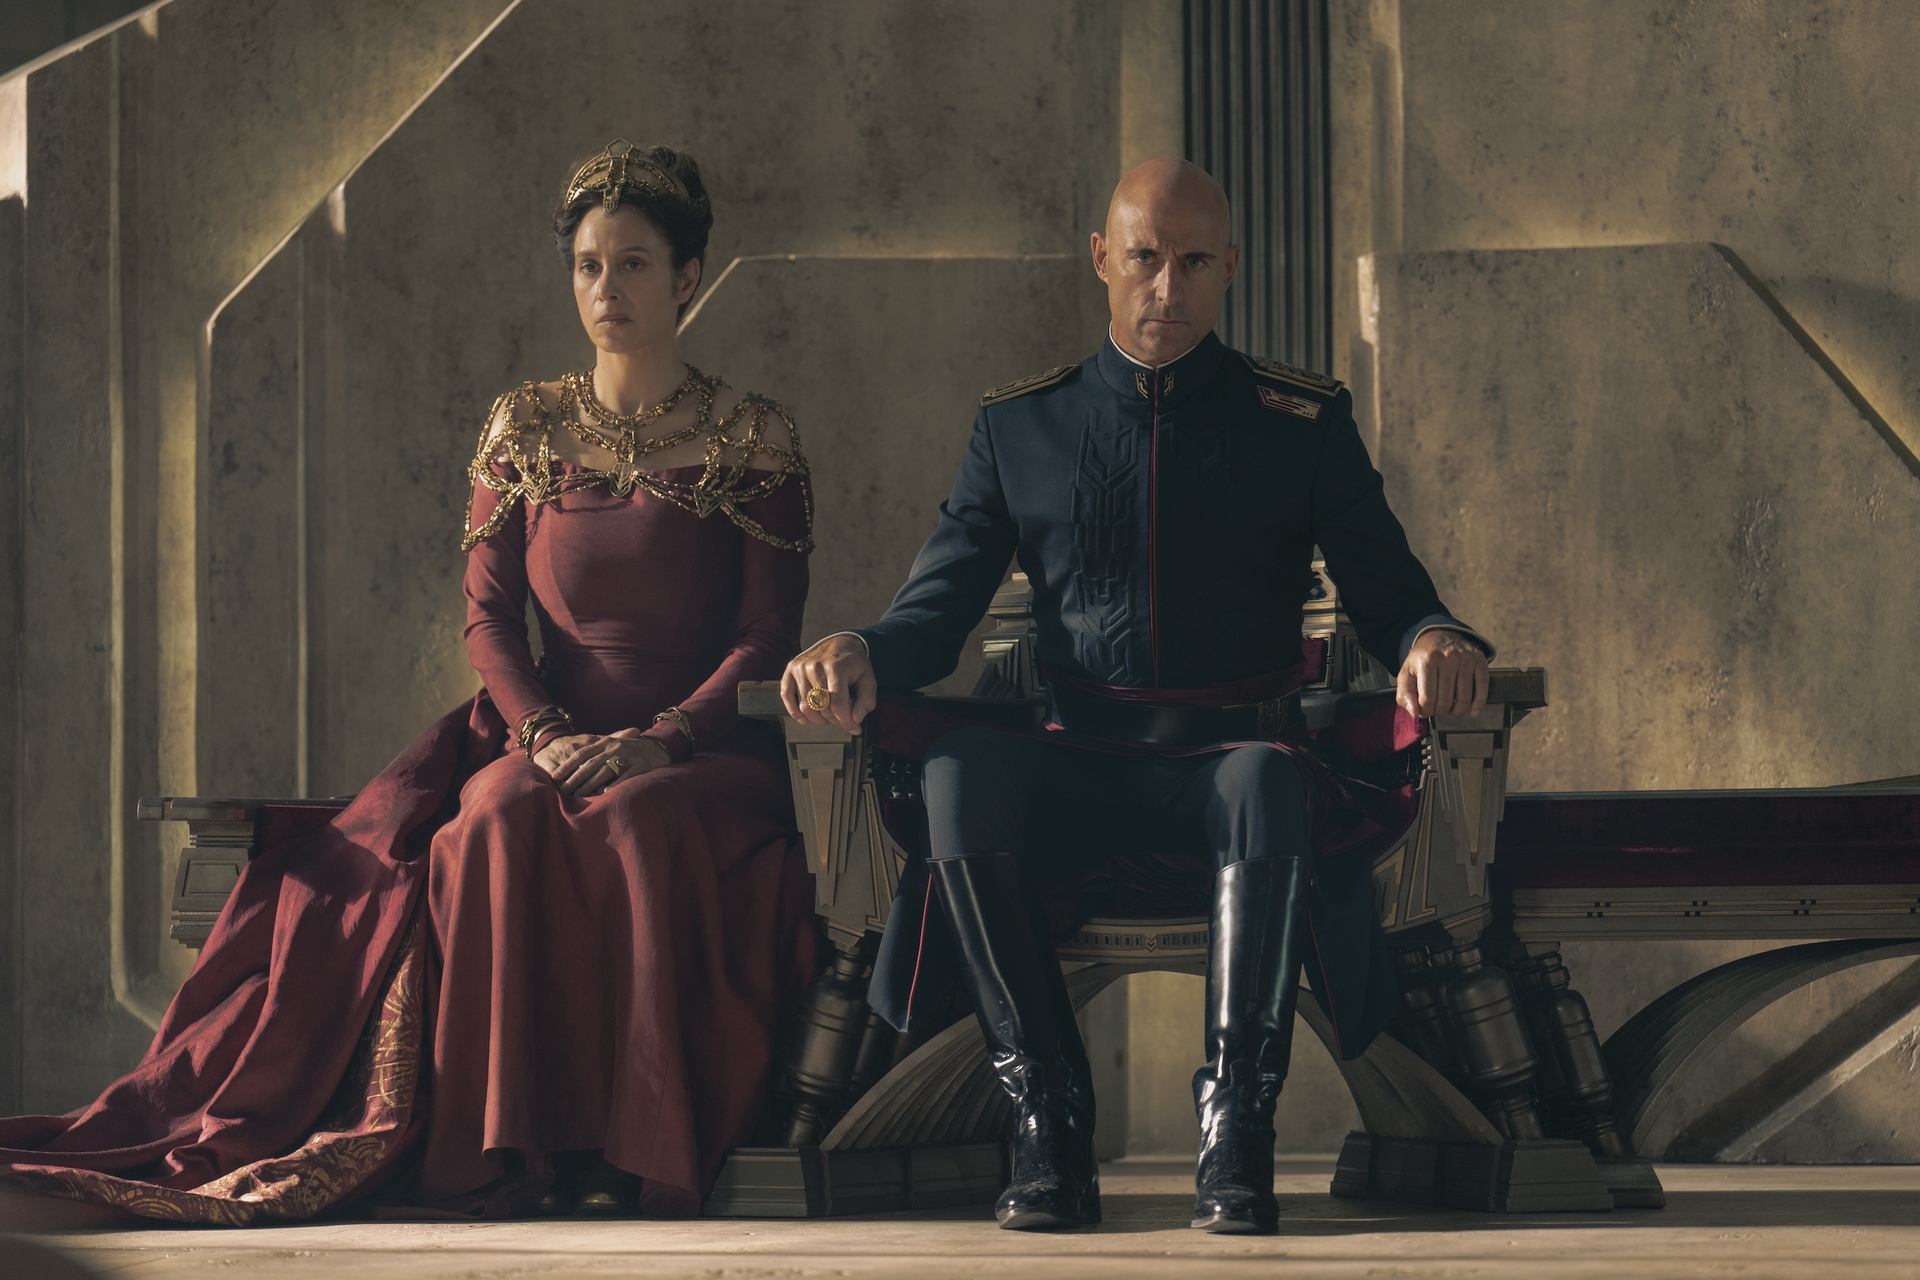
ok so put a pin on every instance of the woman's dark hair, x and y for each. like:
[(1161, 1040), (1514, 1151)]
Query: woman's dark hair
[(685, 222)]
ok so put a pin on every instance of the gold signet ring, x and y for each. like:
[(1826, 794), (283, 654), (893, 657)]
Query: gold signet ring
[(615, 764), (818, 699)]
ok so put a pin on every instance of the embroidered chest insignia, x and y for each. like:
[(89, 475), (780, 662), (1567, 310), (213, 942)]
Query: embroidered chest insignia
[(1298, 406), (1144, 383)]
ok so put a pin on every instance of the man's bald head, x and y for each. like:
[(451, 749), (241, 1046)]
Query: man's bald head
[(1170, 188), (1166, 258)]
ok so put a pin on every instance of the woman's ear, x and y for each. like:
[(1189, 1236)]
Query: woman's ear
[(686, 280)]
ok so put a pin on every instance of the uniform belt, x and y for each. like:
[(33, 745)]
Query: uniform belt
[(1161, 724)]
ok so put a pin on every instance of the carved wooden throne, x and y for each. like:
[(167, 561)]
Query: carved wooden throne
[(1490, 1094)]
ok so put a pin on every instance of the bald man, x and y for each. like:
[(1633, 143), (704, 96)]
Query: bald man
[(1164, 497)]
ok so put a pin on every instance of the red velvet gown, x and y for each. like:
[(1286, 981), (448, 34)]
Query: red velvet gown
[(468, 970)]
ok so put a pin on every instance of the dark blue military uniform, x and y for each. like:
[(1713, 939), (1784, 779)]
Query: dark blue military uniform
[(1166, 520)]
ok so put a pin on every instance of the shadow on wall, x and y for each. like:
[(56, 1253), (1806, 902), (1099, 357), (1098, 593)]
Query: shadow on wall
[(289, 579), (157, 162), (29, 28), (1621, 465)]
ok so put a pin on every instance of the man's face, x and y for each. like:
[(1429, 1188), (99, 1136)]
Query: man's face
[(1166, 264)]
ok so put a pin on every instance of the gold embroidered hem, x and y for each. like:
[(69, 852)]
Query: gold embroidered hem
[(518, 439), (362, 1130)]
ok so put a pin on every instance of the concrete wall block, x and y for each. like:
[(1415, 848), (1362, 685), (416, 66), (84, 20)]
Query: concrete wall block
[(252, 471), (884, 388), (1620, 465), (1778, 127), (160, 162), (68, 679), (446, 290)]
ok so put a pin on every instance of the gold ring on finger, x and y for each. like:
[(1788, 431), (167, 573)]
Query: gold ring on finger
[(615, 765), (818, 699)]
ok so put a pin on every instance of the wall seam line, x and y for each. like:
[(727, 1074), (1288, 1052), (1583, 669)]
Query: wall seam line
[(1812, 347)]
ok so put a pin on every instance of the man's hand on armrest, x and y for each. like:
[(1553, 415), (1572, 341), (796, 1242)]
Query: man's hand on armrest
[(1445, 674), (839, 665)]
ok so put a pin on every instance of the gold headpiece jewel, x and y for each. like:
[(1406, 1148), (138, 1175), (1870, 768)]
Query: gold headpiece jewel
[(620, 168)]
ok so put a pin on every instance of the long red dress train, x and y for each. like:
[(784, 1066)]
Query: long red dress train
[(467, 971)]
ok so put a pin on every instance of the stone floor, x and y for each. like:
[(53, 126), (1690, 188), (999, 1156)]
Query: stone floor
[(1862, 1222)]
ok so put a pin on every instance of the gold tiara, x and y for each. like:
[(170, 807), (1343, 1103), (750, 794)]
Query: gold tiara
[(620, 168)]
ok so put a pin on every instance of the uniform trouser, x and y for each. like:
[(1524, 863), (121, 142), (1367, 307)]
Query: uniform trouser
[(1060, 808)]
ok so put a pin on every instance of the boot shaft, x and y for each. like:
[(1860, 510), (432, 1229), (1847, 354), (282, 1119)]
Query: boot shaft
[(1032, 1039), (1014, 978), (1253, 971)]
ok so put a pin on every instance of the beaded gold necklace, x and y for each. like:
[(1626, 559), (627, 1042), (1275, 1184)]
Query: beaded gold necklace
[(515, 457), (620, 433)]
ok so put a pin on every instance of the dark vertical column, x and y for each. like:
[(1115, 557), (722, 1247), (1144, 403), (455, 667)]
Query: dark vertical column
[(1257, 119)]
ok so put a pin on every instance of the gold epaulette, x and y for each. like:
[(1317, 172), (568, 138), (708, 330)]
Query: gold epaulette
[(1024, 385), (1293, 379), (1318, 383)]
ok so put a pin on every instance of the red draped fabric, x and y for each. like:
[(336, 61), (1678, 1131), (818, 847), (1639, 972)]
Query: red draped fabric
[(467, 971)]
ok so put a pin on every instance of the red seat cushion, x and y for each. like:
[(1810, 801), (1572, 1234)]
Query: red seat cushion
[(1653, 839)]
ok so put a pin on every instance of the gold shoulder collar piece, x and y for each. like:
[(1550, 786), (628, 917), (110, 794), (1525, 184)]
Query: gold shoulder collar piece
[(1023, 385), (1318, 383)]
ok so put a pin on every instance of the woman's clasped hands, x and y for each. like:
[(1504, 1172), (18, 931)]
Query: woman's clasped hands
[(585, 764)]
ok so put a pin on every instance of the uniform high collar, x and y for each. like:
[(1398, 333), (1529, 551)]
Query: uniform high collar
[(1178, 379)]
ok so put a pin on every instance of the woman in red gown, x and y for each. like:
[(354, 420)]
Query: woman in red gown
[(539, 963)]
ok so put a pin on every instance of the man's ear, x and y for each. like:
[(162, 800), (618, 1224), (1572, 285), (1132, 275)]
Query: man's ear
[(1098, 243), (1233, 263)]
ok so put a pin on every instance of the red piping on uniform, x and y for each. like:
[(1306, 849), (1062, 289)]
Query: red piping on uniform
[(1153, 533), (920, 949)]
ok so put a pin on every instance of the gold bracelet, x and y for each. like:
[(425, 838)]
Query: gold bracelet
[(539, 722), (683, 724)]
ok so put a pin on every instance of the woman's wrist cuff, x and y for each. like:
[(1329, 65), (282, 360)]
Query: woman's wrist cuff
[(671, 739)]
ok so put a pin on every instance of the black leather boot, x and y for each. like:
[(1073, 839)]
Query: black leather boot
[(1253, 978), (1034, 1043)]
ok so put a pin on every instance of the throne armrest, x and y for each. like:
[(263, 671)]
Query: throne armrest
[(223, 835), (1436, 873), (1432, 883), (856, 865)]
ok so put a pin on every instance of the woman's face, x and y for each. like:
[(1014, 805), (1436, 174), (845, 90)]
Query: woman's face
[(624, 283)]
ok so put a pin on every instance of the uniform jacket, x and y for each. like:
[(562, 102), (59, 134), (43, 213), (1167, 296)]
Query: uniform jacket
[(1166, 520)]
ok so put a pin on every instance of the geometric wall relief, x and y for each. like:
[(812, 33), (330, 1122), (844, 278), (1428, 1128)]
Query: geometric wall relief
[(1629, 466), (1622, 466), (884, 384)]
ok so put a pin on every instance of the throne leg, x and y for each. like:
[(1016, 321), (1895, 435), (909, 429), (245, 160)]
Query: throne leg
[(879, 1050), (1563, 1028), (1424, 1014), (820, 1063), (1498, 1061)]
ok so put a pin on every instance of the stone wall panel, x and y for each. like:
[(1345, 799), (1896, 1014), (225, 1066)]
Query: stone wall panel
[(875, 128), (158, 162), (1620, 465)]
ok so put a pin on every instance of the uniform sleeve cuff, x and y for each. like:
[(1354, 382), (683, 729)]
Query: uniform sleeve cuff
[(856, 635), (1443, 622)]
